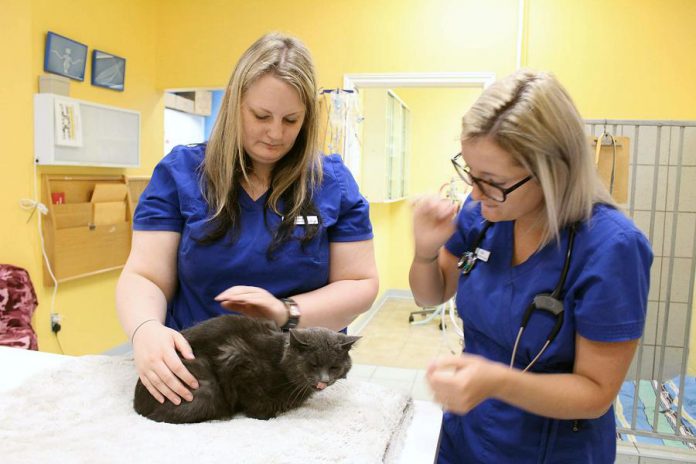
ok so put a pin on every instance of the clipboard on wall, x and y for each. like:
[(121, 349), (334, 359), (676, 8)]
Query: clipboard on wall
[(611, 161)]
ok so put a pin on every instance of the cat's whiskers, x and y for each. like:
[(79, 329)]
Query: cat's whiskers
[(299, 391), (340, 384), (291, 392)]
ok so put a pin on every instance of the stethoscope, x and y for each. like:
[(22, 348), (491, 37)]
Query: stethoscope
[(549, 302)]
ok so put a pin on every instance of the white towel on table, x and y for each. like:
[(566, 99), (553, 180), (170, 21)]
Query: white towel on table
[(82, 412)]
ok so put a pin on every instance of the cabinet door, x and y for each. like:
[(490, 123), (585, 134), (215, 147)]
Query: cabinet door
[(395, 169), (386, 135), (397, 148)]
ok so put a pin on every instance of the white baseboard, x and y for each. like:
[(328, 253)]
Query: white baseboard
[(123, 349)]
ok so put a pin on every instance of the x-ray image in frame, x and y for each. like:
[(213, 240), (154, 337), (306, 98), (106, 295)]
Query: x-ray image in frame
[(65, 57), (108, 70)]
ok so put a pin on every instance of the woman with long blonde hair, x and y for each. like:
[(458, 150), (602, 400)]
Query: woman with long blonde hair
[(256, 221)]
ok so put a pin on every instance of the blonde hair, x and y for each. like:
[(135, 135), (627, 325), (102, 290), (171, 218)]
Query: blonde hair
[(531, 116), (296, 175)]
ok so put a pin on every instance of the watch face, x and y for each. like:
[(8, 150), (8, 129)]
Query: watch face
[(294, 310)]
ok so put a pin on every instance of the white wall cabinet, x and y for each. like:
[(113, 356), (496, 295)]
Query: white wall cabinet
[(385, 146), (80, 133)]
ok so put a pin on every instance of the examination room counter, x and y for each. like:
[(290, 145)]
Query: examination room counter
[(421, 437)]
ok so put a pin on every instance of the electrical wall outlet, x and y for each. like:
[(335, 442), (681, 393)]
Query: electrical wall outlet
[(55, 322)]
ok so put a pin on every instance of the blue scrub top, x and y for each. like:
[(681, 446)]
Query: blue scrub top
[(605, 299), (173, 202)]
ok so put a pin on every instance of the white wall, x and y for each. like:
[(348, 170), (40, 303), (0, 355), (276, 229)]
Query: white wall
[(182, 128)]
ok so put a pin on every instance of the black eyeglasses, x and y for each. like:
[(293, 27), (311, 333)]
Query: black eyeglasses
[(492, 191)]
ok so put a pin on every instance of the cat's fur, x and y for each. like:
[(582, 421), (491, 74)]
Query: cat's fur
[(250, 366)]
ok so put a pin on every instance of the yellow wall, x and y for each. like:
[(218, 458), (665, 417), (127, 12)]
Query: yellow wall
[(200, 41), (393, 243), (125, 28), (436, 115), (619, 58)]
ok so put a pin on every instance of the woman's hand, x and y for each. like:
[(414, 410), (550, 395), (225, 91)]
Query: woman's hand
[(159, 367), (432, 224), (460, 383), (254, 302)]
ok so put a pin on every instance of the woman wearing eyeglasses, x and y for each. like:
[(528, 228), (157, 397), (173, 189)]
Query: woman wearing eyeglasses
[(551, 281)]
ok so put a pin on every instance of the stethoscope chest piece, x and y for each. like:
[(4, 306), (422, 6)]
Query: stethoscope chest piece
[(545, 302), (549, 303)]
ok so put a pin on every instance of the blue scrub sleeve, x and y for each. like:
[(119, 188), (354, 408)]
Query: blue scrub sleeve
[(158, 207), (467, 218), (353, 223), (612, 295)]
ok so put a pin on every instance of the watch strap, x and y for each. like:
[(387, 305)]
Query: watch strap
[(294, 313)]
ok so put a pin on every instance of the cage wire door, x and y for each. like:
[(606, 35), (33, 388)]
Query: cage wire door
[(661, 199)]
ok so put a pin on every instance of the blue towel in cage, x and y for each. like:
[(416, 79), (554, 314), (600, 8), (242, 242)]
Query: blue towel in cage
[(667, 396), (688, 400)]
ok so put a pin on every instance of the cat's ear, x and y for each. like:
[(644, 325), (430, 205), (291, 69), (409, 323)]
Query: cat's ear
[(296, 339), (348, 341)]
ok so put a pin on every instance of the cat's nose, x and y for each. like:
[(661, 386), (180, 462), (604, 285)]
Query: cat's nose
[(321, 385), (324, 376)]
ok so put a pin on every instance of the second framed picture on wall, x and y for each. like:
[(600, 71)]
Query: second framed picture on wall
[(108, 70), (65, 57)]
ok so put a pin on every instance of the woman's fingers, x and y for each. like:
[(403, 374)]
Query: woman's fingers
[(240, 292), (160, 380), (174, 364), (153, 391), (247, 310), (252, 301), (161, 370), (167, 372), (183, 347), (448, 363), (434, 207)]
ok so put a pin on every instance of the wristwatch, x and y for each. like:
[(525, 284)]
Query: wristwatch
[(294, 314)]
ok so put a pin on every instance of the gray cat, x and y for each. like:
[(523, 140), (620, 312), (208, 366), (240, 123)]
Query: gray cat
[(250, 366)]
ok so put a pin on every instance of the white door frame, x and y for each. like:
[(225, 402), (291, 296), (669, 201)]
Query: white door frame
[(444, 79), (353, 82)]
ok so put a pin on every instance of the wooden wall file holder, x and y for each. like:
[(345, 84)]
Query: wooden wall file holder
[(89, 230)]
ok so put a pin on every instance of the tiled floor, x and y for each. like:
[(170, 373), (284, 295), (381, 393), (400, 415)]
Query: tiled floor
[(395, 353)]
